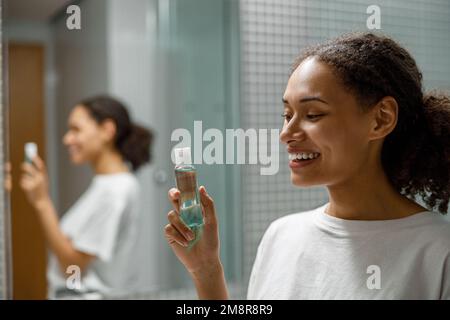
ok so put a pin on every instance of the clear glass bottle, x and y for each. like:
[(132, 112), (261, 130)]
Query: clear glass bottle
[(186, 180)]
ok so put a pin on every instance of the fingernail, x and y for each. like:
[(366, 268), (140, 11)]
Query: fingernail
[(190, 235)]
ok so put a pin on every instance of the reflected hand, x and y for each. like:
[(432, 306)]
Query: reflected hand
[(34, 181), (204, 254), (7, 184)]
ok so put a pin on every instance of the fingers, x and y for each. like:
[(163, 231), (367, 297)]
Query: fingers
[(173, 236), (208, 206), (174, 197), (26, 183), (175, 221), (28, 169), (7, 184), (38, 166), (39, 163)]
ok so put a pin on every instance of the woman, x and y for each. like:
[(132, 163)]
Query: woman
[(97, 235), (356, 121)]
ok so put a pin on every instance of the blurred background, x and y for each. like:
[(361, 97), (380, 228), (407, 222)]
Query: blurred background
[(225, 62)]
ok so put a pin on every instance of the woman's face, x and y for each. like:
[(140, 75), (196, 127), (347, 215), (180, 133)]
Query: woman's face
[(85, 138), (323, 120)]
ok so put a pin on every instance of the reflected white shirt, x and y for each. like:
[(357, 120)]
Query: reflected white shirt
[(104, 223)]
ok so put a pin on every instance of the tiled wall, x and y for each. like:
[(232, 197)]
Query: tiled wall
[(272, 32)]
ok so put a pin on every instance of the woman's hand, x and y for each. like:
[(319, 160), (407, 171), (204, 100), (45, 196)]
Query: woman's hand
[(34, 182), (7, 183), (203, 256)]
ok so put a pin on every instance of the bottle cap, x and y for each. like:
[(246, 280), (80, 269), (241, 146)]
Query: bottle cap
[(182, 156), (30, 150)]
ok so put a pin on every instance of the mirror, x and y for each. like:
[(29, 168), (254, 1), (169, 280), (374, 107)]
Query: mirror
[(147, 54)]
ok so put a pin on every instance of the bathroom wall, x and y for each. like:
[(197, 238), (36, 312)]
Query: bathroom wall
[(82, 70)]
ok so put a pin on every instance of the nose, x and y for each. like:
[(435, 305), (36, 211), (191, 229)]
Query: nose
[(291, 131)]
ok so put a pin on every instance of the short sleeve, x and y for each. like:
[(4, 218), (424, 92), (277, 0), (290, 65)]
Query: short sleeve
[(98, 232)]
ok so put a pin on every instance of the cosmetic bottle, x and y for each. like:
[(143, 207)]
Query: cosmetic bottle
[(186, 180), (30, 151)]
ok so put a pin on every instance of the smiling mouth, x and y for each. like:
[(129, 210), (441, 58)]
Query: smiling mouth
[(73, 150), (301, 160), (303, 156)]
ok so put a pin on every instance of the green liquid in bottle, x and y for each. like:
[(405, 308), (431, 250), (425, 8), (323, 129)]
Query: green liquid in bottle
[(190, 210), (192, 216)]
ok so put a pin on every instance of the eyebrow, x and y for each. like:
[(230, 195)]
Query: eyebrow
[(307, 99)]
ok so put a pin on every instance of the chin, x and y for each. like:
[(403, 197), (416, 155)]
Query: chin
[(77, 160), (300, 181)]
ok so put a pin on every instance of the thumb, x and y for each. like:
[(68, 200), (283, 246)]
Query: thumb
[(208, 206)]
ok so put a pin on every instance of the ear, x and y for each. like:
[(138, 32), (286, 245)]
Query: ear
[(385, 115), (109, 129)]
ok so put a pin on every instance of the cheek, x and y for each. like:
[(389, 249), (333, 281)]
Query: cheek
[(337, 141), (325, 136), (89, 139), (347, 146)]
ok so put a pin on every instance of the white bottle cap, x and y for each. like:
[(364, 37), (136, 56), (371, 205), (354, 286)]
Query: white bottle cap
[(30, 150), (182, 156)]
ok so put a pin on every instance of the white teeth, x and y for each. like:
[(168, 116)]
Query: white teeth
[(303, 155)]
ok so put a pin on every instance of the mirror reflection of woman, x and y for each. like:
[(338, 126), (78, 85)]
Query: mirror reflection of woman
[(356, 121), (99, 232)]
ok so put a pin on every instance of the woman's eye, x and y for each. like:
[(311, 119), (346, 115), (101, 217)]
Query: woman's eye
[(286, 116), (313, 116)]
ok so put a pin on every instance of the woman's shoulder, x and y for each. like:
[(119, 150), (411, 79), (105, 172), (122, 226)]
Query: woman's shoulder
[(116, 184), (437, 229)]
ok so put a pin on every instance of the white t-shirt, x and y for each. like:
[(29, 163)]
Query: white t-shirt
[(103, 222), (313, 255)]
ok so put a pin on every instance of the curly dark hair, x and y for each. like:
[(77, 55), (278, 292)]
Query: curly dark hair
[(416, 154)]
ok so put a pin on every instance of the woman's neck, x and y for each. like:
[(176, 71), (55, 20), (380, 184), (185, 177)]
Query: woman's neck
[(369, 196), (109, 162)]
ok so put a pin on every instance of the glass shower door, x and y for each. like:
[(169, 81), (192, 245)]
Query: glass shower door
[(199, 41)]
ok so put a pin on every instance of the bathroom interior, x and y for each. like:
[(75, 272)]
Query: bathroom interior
[(173, 62)]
